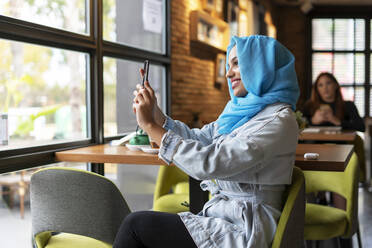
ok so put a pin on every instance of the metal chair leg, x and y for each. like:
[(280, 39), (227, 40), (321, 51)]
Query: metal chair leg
[(358, 236), (317, 244)]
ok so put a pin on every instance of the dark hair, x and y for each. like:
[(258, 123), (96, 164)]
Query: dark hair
[(316, 100)]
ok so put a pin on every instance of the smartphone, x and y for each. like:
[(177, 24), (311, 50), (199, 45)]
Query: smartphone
[(146, 67)]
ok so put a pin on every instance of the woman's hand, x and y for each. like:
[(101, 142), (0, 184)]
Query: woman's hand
[(318, 117), (158, 115), (143, 106), (330, 117)]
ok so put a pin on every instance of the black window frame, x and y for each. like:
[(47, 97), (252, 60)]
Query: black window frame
[(97, 48), (336, 12)]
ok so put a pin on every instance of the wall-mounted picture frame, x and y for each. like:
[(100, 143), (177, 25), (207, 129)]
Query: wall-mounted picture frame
[(220, 70), (209, 5)]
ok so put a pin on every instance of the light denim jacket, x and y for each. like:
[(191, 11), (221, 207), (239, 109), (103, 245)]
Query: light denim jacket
[(250, 166)]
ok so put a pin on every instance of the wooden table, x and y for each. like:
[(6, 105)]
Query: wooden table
[(327, 136), (332, 157)]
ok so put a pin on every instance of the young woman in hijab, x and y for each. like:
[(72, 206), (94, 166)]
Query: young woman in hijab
[(249, 152), (326, 106)]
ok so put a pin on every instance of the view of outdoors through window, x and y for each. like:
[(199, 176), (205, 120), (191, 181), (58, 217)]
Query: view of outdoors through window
[(46, 94), (43, 92), (70, 15), (43, 89), (339, 47), (137, 23)]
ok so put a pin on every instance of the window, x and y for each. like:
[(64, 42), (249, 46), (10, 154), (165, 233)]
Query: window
[(68, 69), (68, 15), (139, 23), (339, 46), (43, 92)]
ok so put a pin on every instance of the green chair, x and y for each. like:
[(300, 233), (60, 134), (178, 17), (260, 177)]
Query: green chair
[(74, 208), (290, 229), (171, 190), (324, 222), (359, 151)]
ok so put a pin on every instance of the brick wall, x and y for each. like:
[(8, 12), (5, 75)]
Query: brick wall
[(192, 83)]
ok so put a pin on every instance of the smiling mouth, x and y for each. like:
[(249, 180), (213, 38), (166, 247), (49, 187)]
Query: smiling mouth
[(235, 83)]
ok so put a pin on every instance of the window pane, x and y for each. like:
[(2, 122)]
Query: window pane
[(120, 79), (321, 62), (359, 100), (42, 91), (359, 34), (16, 230), (344, 34), (359, 68), (344, 68), (347, 93), (70, 15), (322, 34), (135, 182), (355, 95), (139, 23)]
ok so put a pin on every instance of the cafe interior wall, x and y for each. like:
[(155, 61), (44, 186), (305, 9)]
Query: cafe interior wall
[(290, 22), (193, 88)]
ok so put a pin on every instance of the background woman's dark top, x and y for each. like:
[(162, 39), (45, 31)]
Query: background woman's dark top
[(351, 120)]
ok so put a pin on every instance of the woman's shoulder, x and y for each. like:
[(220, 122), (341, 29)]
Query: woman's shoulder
[(349, 103), (273, 115)]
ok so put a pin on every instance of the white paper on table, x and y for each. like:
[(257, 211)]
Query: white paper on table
[(3, 129), (311, 130), (152, 16)]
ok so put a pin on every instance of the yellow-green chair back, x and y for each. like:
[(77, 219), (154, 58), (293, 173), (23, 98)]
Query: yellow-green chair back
[(171, 190), (324, 222), (290, 229)]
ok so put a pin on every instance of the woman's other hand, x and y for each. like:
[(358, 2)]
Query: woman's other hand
[(318, 117)]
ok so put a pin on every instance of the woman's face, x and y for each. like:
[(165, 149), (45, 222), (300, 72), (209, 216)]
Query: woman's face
[(327, 89), (234, 74)]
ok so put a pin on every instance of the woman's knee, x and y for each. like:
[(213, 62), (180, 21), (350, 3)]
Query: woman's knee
[(135, 218)]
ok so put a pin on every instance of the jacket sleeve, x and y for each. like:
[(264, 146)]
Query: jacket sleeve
[(238, 152), (203, 135), (354, 122)]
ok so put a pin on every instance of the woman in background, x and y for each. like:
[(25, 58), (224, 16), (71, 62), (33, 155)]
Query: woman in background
[(326, 106)]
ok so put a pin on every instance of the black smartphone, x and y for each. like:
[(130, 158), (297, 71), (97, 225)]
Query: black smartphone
[(146, 67)]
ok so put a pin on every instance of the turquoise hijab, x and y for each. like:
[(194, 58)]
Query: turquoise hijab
[(268, 73)]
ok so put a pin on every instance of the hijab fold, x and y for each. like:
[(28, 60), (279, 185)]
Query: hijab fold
[(268, 73)]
